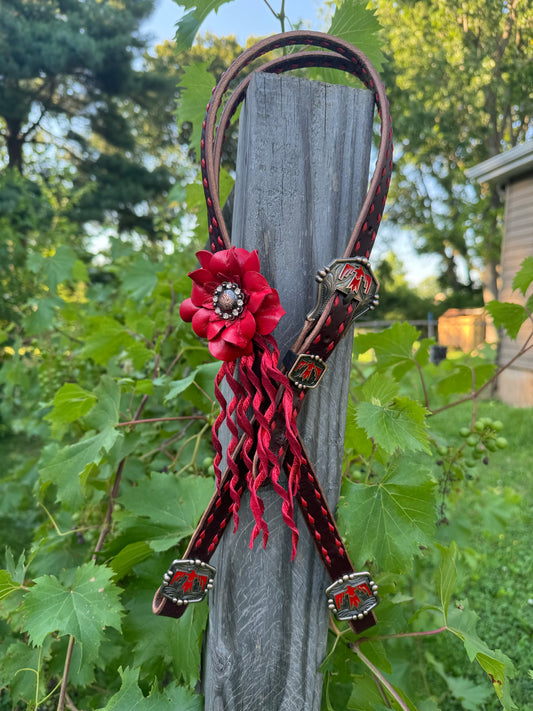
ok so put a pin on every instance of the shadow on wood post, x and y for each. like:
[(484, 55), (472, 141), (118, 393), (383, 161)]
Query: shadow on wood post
[(302, 173)]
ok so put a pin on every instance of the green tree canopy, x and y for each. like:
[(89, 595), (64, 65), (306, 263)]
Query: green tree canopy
[(67, 60), (459, 77), (78, 99)]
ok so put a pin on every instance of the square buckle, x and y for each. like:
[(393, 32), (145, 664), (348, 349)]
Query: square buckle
[(307, 371), (352, 596), (187, 581)]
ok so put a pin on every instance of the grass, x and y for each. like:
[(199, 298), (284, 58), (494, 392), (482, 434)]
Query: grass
[(492, 516)]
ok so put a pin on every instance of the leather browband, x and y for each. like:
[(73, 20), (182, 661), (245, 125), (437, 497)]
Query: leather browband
[(321, 331)]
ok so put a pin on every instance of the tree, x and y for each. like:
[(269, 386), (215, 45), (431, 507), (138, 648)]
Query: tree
[(459, 76), (77, 99), (64, 60), (398, 300)]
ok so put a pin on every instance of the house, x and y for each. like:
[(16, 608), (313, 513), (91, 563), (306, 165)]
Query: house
[(513, 170)]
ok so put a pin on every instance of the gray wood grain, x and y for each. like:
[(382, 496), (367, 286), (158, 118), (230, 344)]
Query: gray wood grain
[(302, 172)]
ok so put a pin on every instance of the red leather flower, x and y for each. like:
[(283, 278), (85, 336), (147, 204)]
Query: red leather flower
[(231, 302)]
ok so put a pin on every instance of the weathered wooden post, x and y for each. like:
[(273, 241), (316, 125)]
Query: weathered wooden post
[(302, 171)]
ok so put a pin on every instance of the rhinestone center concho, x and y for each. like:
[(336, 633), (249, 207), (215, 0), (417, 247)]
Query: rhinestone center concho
[(228, 300)]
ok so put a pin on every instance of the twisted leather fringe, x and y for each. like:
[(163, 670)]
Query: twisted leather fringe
[(263, 392)]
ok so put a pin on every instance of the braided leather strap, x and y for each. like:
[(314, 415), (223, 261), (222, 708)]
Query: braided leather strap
[(321, 333)]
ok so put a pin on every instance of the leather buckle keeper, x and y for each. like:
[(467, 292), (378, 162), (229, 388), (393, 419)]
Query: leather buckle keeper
[(187, 581), (352, 596)]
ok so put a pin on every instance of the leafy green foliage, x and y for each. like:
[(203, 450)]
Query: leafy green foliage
[(462, 622), (354, 22), (196, 84), (510, 316), (446, 576), (130, 697), (82, 607), (393, 346), (524, 276), (464, 67), (394, 421), (163, 509), (191, 22), (70, 403), (7, 584), (388, 520), (106, 407)]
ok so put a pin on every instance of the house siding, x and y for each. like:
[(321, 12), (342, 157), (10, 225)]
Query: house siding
[(515, 385)]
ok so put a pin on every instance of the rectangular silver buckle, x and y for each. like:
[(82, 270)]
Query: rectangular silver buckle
[(352, 596), (187, 581)]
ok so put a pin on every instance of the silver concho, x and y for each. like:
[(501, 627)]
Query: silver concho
[(352, 277)]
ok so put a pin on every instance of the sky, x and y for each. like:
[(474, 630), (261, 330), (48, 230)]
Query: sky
[(239, 17), (252, 17)]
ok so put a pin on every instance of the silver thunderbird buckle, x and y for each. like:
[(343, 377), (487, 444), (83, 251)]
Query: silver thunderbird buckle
[(187, 581), (352, 277), (352, 596)]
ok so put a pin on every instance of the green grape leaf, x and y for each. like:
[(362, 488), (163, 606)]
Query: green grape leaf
[(175, 647), (379, 390), (462, 622), (55, 268), (470, 694), (392, 346), (356, 439), (178, 386), (21, 670), (524, 276), (195, 86), (7, 584), (17, 570), (42, 317), (106, 412), (140, 278), (393, 422), (72, 462), (70, 402), (357, 23), (67, 466), (131, 698), (129, 556), (388, 521), (82, 608), (203, 376), (422, 353), (365, 696), (165, 508), (191, 22), (463, 378), (509, 316), (446, 576), (106, 338)]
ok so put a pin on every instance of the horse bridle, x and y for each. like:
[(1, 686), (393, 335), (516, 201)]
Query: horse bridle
[(347, 289)]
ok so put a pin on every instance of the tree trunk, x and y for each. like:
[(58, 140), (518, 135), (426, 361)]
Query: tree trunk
[(14, 144), (302, 172)]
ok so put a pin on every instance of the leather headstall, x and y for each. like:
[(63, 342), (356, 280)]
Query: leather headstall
[(347, 289)]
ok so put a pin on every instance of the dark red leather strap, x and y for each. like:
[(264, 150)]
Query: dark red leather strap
[(318, 518), (318, 337)]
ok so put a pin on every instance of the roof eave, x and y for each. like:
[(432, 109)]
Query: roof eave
[(516, 161)]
